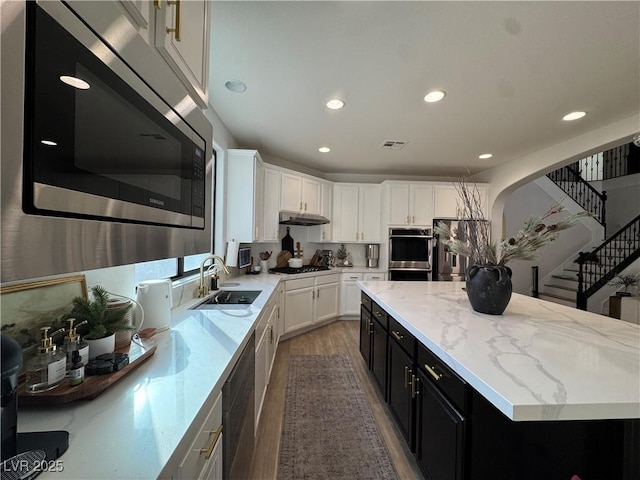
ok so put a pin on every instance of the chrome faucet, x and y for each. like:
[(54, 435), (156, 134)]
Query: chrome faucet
[(202, 288)]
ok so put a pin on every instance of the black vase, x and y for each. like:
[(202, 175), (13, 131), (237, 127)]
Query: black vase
[(489, 288)]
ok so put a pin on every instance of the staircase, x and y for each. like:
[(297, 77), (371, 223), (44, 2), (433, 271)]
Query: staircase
[(573, 284), (563, 288), (600, 266)]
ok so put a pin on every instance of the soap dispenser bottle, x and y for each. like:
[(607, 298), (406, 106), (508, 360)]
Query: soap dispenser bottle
[(73, 342), (48, 368)]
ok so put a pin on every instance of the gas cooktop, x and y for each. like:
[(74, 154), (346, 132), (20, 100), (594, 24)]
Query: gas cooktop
[(302, 269)]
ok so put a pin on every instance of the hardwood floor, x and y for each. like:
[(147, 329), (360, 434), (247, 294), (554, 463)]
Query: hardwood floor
[(340, 337)]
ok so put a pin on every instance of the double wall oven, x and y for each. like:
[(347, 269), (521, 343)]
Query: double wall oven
[(410, 254)]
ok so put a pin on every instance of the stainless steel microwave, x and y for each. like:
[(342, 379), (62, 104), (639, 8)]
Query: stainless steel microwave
[(98, 141), (104, 162)]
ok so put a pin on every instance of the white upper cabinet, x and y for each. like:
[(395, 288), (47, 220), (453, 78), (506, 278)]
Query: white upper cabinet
[(182, 32), (271, 195), (323, 233), (356, 213), (245, 196), (410, 204), (447, 201), (175, 63), (300, 194)]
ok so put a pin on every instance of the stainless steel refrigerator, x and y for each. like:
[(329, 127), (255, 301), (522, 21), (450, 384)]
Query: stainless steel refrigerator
[(447, 266)]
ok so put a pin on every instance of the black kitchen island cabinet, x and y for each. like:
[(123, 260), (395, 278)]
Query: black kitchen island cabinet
[(457, 434)]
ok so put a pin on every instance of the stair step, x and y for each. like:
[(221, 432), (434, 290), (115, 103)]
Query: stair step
[(565, 277), (550, 297), (558, 290), (561, 287)]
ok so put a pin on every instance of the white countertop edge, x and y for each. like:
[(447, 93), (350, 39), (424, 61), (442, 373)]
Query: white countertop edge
[(523, 412)]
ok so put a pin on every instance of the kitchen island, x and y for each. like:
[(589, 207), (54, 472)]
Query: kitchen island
[(540, 376)]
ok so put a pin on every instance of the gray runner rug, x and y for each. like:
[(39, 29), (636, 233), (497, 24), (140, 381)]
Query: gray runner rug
[(329, 430)]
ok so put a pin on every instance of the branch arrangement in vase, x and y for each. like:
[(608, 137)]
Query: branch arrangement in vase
[(474, 241)]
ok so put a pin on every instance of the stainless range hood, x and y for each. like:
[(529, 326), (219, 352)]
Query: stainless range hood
[(300, 218)]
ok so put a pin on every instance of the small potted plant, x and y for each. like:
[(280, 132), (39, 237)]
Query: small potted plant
[(341, 255), (103, 321), (627, 280)]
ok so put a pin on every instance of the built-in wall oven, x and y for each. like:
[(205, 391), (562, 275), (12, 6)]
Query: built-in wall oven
[(410, 254)]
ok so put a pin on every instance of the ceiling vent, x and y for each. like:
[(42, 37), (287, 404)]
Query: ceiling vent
[(392, 145)]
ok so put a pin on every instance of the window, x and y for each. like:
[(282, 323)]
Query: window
[(156, 269), (176, 267)]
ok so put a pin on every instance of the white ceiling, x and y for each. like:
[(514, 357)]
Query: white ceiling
[(511, 70)]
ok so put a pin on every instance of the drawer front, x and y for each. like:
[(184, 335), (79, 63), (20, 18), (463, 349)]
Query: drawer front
[(374, 276), (351, 277), (325, 279), (263, 319), (300, 283), (365, 300), (445, 379), (380, 315), (202, 448), (401, 335)]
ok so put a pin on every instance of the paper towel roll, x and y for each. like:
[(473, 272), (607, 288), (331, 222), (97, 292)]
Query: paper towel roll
[(231, 258)]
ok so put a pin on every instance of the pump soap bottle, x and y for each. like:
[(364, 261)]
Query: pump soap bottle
[(73, 342), (48, 368)]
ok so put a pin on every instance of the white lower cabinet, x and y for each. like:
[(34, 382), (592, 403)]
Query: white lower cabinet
[(326, 300), (204, 458), (266, 345), (310, 300), (350, 291), (350, 294), (298, 303)]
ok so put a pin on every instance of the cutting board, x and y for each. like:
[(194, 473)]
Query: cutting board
[(287, 243), (282, 260)]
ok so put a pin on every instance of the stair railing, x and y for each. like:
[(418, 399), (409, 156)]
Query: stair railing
[(598, 267), (580, 191)]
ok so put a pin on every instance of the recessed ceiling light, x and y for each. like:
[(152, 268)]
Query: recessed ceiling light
[(49, 143), (335, 104), (236, 86), (484, 156), (324, 149), (434, 96), (75, 82), (573, 116)]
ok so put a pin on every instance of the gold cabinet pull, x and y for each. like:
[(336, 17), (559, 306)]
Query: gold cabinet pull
[(209, 450), (431, 370), (397, 335), (407, 372), (176, 30), (408, 220), (378, 314), (414, 386), (156, 3)]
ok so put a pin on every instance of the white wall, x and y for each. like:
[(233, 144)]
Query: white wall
[(623, 201), (507, 177), (528, 200)]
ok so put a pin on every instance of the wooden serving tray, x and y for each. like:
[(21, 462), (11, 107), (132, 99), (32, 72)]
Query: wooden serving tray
[(93, 385)]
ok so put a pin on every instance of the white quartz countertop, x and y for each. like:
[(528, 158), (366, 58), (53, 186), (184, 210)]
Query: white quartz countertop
[(537, 361), (133, 428)]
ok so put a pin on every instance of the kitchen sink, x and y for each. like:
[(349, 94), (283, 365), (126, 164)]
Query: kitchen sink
[(230, 297)]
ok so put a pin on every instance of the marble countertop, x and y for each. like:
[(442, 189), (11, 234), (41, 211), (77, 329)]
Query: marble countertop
[(133, 429), (537, 361)]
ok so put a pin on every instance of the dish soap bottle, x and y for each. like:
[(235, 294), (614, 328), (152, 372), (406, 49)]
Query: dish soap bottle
[(73, 342), (76, 372), (48, 368)]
